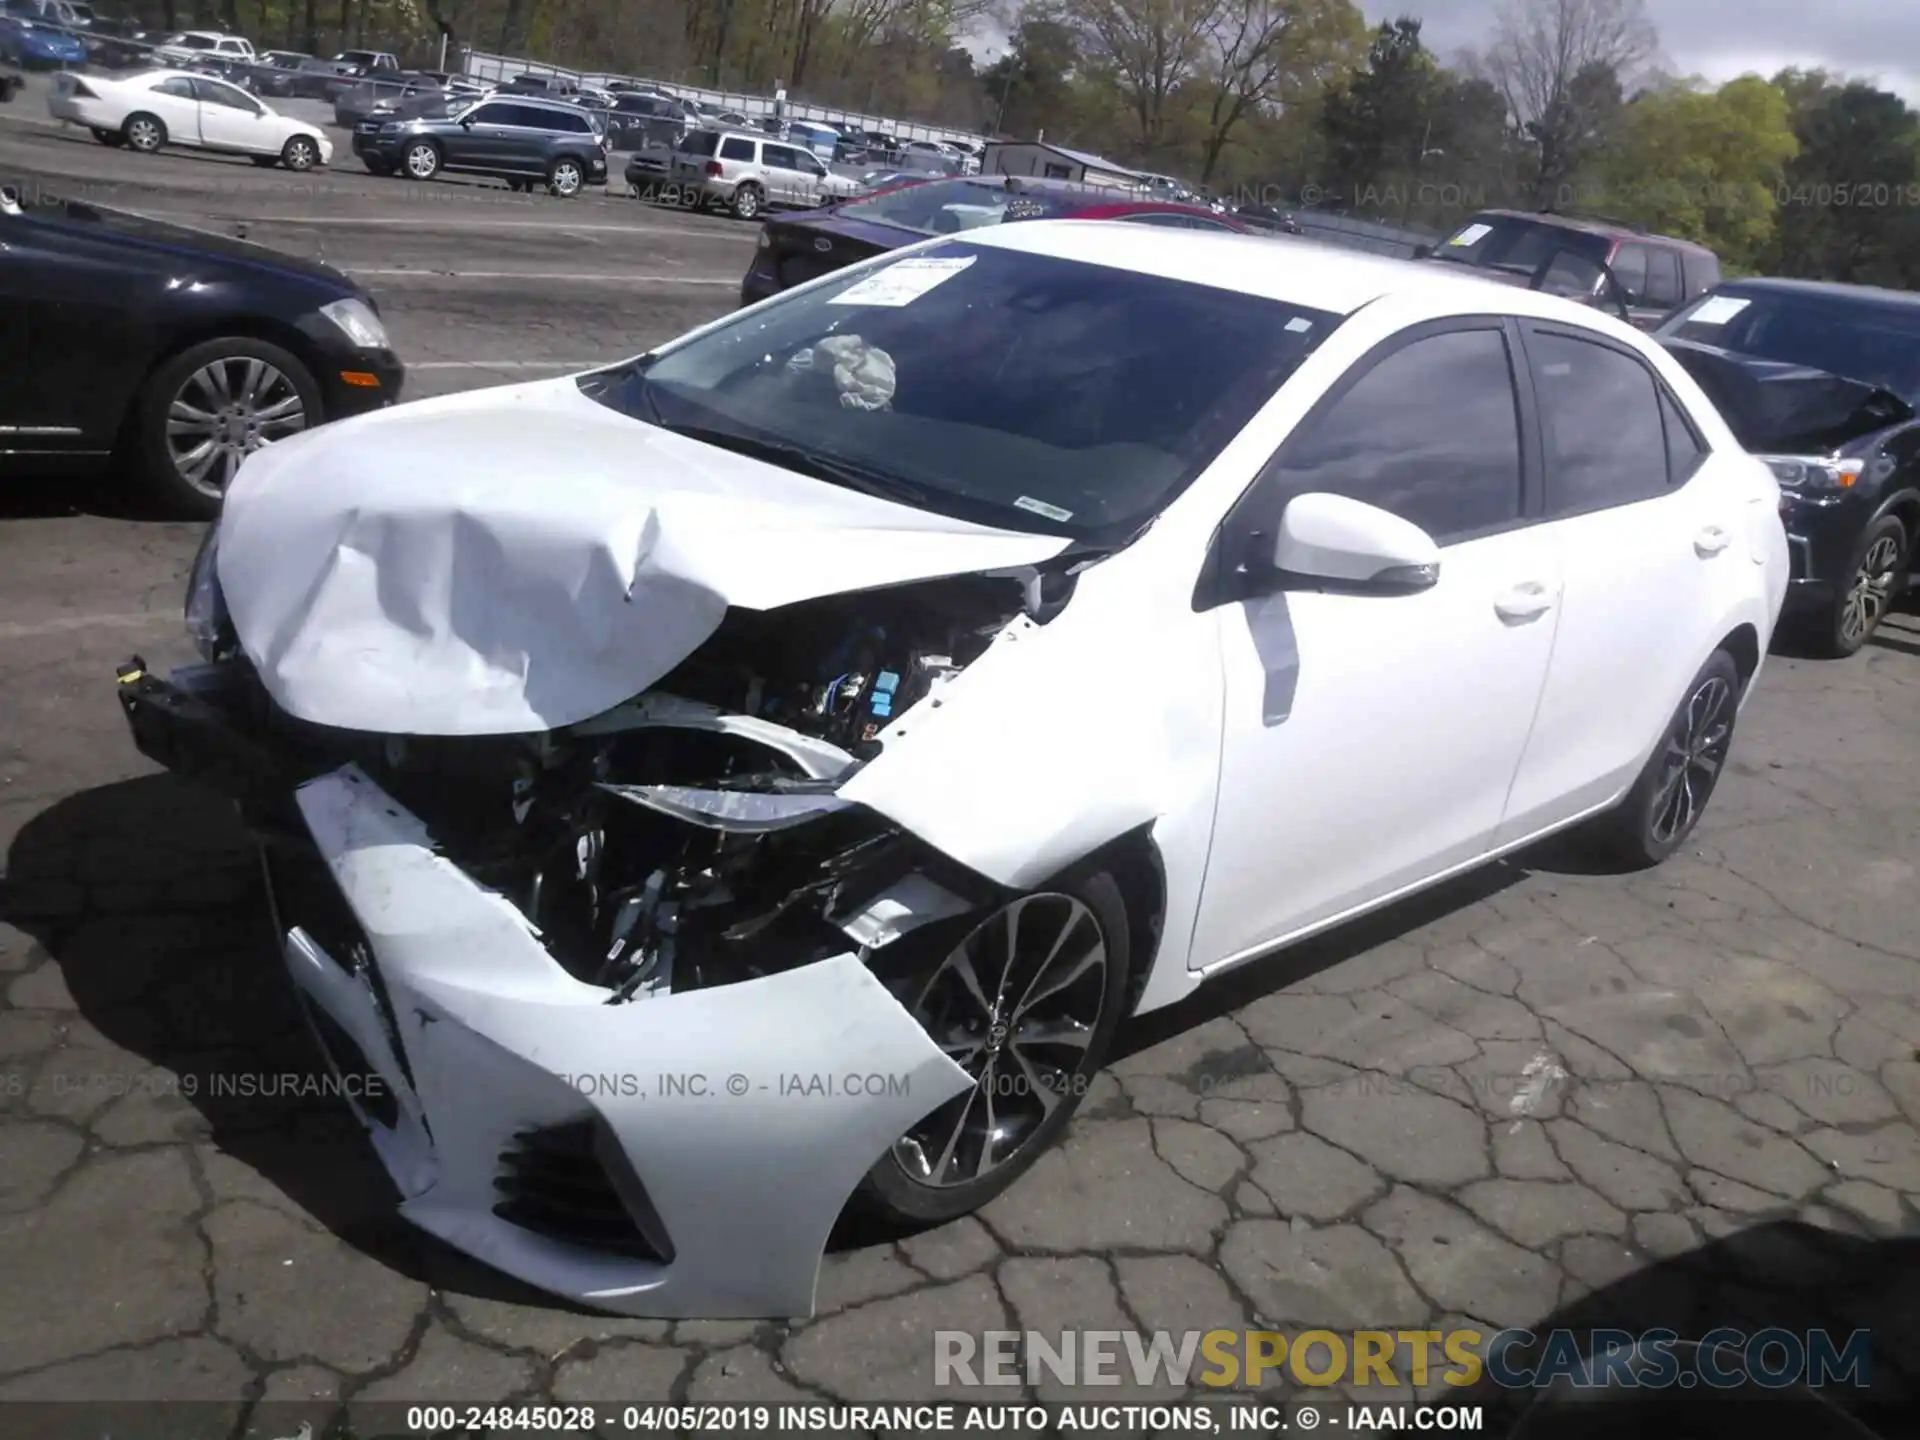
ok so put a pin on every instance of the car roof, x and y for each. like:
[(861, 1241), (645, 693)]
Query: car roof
[(1293, 271), (1593, 225), (1822, 290)]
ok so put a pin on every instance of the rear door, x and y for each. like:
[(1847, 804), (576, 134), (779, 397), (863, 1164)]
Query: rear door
[(1649, 535)]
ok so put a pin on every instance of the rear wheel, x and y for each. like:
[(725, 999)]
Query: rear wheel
[(1026, 1002), (144, 132), (300, 153), (748, 201), (211, 406), (1667, 801)]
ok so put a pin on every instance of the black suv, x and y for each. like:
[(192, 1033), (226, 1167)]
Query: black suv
[(518, 139), (1652, 275), (1822, 382)]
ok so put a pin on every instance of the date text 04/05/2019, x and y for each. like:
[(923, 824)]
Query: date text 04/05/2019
[(476, 1420)]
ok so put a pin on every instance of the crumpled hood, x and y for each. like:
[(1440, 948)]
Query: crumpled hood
[(522, 558), (1772, 405)]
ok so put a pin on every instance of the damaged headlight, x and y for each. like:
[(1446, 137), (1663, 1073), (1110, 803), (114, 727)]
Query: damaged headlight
[(206, 608)]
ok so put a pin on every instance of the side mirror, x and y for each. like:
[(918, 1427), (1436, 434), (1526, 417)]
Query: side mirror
[(1352, 545), (466, 122)]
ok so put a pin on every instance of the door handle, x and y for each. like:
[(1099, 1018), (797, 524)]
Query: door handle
[(1526, 601), (1711, 541)]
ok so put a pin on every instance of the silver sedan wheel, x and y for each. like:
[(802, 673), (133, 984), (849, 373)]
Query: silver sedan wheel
[(225, 411), (1015, 1005), (1871, 591), (300, 154)]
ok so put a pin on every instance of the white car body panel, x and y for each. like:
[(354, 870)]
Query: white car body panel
[(525, 560), (518, 614), (499, 1038), (191, 123)]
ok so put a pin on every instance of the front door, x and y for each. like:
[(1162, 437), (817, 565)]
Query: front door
[(231, 119), (1370, 740)]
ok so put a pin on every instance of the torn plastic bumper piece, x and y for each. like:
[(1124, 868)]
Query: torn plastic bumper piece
[(188, 723), (654, 1158)]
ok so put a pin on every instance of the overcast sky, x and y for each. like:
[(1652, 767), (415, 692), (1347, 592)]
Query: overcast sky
[(1718, 39)]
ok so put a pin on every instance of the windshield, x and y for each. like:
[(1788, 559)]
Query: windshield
[(1021, 391), (1879, 344), (946, 207), (192, 42), (1517, 246)]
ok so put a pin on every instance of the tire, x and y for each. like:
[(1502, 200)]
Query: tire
[(748, 201), (143, 132), (375, 166), (1874, 580), (422, 160), (112, 139), (300, 154), (197, 378), (1666, 802), (920, 1180), (566, 177)]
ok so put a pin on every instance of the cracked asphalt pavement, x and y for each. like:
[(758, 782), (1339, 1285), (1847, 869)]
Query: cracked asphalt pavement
[(1541, 1095)]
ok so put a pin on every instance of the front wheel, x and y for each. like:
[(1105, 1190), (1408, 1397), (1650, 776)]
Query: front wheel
[(202, 413), (565, 178), (1667, 801), (423, 160), (1879, 572), (300, 153), (1026, 1002)]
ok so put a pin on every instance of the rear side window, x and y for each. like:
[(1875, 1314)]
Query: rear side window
[(1702, 273), (1663, 277), (701, 142), (1630, 269), (1601, 411), (1450, 463), (736, 147), (1686, 451)]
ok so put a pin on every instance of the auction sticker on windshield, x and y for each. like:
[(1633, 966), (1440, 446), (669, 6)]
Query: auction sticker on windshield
[(904, 281), (1718, 310), (1041, 507), (1473, 234)]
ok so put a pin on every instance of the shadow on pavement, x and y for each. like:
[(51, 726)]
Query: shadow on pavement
[(111, 495), (1780, 1275), (147, 894)]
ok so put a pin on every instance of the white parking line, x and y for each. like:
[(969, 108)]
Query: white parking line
[(578, 277), (64, 624), (548, 226), (508, 365)]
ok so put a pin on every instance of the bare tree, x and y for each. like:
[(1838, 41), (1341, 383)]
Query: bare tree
[(1150, 48), (1553, 61), (1264, 52)]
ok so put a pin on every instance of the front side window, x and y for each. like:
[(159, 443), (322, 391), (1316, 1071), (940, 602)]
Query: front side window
[(491, 115), (1448, 460), (179, 86), (1606, 438), (214, 93), (1017, 390)]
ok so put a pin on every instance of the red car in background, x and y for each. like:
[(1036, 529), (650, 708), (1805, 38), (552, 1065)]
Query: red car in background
[(797, 248)]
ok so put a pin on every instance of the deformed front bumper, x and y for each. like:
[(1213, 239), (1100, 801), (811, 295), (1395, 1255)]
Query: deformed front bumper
[(684, 1155)]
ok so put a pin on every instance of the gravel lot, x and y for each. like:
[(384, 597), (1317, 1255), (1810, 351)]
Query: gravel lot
[(1682, 1097)]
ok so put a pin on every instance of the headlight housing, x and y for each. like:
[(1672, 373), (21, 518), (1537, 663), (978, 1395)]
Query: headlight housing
[(356, 320), (208, 622), (1814, 474)]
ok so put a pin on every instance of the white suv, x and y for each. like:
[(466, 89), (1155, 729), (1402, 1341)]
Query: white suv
[(192, 46), (748, 173)]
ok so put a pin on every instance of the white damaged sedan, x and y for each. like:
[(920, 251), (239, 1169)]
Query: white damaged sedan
[(760, 776)]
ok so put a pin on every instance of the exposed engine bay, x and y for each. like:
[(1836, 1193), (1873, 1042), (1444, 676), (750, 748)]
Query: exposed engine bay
[(691, 836)]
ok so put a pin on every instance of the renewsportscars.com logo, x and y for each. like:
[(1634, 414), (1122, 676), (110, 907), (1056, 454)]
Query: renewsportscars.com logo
[(1511, 1359)]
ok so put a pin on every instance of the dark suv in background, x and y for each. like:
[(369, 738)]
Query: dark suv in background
[(518, 139), (1822, 382), (1572, 254)]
